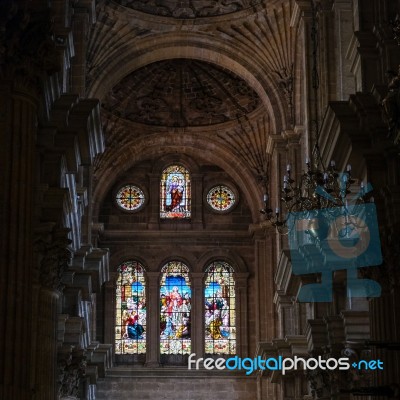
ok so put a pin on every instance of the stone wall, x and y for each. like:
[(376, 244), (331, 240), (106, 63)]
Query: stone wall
[(170, 388)]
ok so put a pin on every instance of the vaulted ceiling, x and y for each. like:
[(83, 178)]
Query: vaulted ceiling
[(210, 79), (180, 93), (186, 8)]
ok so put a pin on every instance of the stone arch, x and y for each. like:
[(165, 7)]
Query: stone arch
[(189, 145), (182, 159), (219, 254), (183, 257), (125, 254), (170, 46)]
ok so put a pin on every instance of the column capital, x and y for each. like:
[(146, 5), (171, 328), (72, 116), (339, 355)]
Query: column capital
[(275, 142), (294, 135), (32, 52)]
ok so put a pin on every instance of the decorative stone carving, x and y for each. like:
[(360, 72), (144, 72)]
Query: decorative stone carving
[(285, 83), (186, 8), (395, 25), (26, 43), (249, 141), (71, 370), (357, 378), (319, 383), (207, 95), (391, 106), (54, 256)]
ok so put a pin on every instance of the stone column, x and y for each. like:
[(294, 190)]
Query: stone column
[(310, 108), (264, 281), (46, 349), (153, 320), (109, 311), (18, 120), (81, 24), (53, 258), (197, 314), (277, 147), (345, 82)]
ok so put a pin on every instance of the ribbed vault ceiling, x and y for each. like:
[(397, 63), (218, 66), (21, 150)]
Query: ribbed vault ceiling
[(186, 8), (180, 93)]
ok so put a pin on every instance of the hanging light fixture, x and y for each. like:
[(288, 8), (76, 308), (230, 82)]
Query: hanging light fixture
[(319, 187)]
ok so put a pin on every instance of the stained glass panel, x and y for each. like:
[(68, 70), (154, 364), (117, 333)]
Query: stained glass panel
[(221, 198), (175, 192), (175, 307), (130, 198), (130, 330), (220, 324)]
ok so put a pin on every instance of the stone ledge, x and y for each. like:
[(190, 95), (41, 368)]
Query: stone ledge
[(174, 372)]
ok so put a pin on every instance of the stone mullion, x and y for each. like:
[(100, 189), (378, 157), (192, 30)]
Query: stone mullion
[(197, 314), (154, 195), (153, 320), (197, 200), (19, 130), (241, 314)]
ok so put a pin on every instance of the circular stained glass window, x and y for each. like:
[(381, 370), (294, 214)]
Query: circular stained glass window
[(130, 198), (221, 198)]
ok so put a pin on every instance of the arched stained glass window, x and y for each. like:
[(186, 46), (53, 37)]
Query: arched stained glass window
[(175, 192), (221, 198), (130, 198), (175, 306), (130, 331), (220, 324)]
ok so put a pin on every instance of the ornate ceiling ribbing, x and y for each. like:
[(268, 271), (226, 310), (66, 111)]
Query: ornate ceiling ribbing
[(272, 39), (249, 141), (186, 8), (180, 93)]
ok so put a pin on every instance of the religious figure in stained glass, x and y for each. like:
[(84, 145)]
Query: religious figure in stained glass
[(130, 331), (219, 294), (175, 307), (175, 192)]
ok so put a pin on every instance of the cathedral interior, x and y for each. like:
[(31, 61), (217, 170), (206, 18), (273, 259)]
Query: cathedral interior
[(139, 141)]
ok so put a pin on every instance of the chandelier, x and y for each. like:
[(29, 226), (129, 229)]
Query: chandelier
[(319, 187)]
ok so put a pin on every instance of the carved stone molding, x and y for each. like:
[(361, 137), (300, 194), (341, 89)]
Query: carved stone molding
[(187, 9), (71, 365), (207, 95), (27, 48), (51, 244)]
